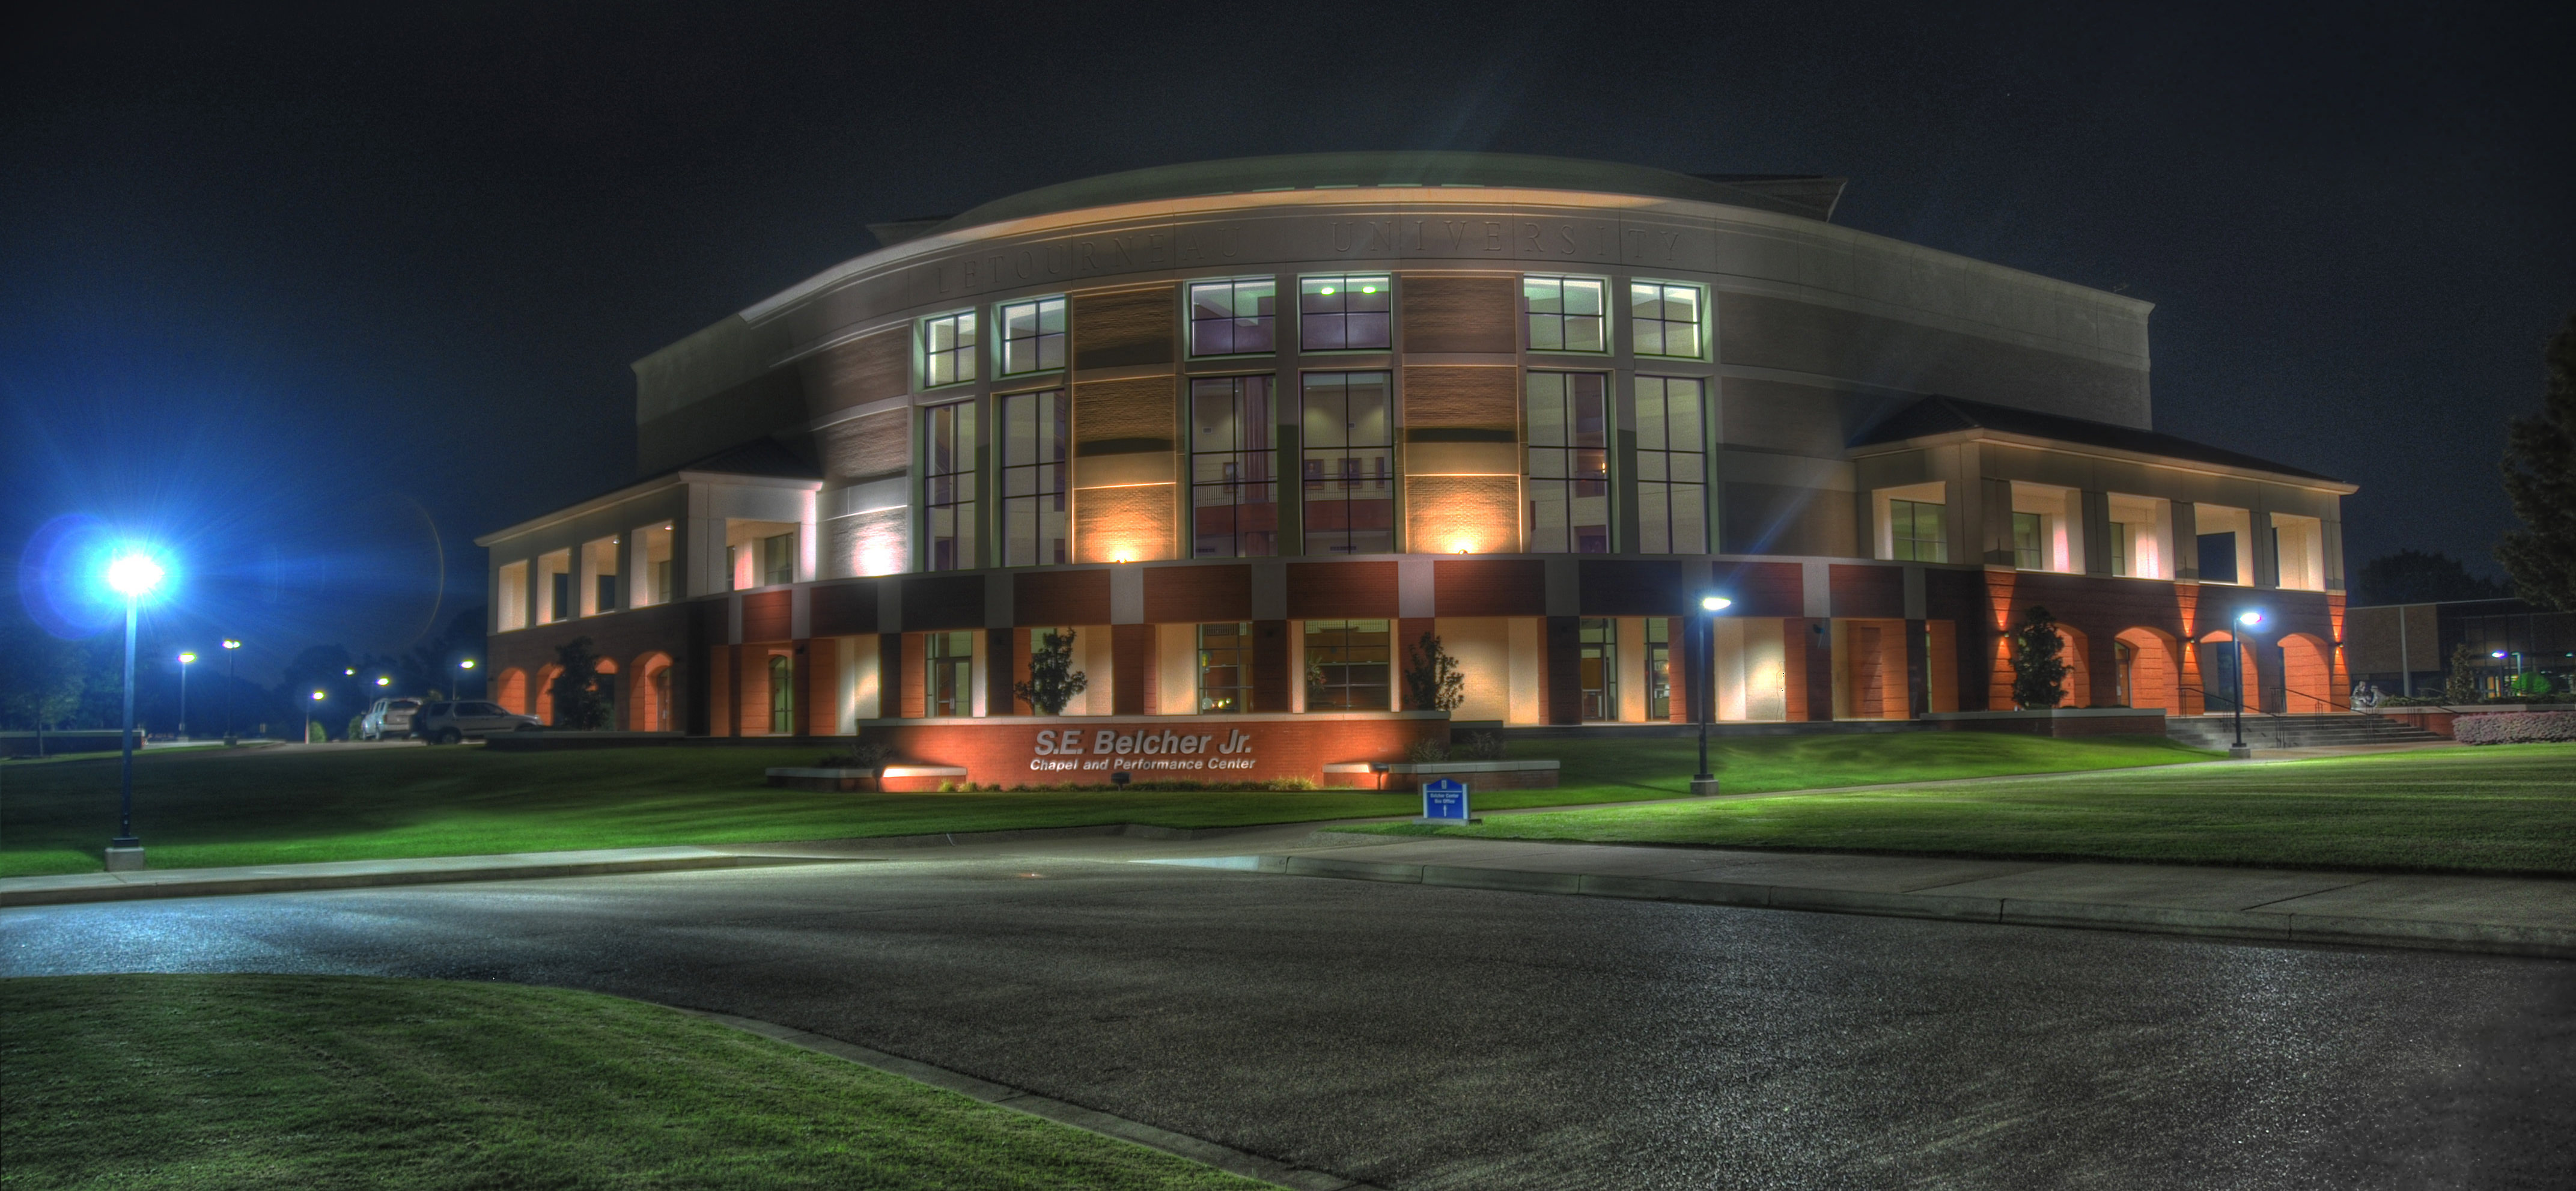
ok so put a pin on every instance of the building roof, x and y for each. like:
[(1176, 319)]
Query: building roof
[(1809, 196), (759, 457), (1949, 415)]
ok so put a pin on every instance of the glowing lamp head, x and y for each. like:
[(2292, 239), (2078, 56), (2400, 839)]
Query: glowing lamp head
[(134, 575), (186, 658), (1368, 289), (2249, 618), (467, 664), (350, 673), (1714, 603), (2497, 654), (383, 681), (317, 696), (1121, 556), (1327, 291), (1462, 546), (230, 644)]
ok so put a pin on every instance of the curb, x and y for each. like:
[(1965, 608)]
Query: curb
[(218, 886), (1182, 1145), (2485, 938)]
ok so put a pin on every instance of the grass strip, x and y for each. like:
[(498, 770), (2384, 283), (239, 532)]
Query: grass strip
[(316, 1082), (210, 809), (2497, 809)]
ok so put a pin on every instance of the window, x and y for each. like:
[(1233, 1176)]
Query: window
[(1234, 491), (948, 485), (782, 695), (1036, 428), (2124, 548), (653, 551), (1349, 464), (1672, 482), (948, 349), (1569, 463), (1565, 314), (1659, 668), (1916, 532), (599, 565), (514, 595), (1225, 667), (948, 686), (1347, 665), (778, 559), (1234, 318), (2030, 541), (555, 588), (2218, 558), (1032, 336), (1348, 311), (1665, 319), (1600, 668)]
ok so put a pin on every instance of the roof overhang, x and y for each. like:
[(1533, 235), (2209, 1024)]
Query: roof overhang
[(2063, 447), (641, 489)]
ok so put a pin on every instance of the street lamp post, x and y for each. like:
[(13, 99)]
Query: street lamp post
[(232, 674), (2516, 655), (132, 575), (2248, 619), (308, 718), (185, 660), (1703, 687), (461, 668)]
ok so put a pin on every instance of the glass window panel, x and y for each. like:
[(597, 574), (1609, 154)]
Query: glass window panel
[(1237, 317), (1347, 470), (1234, 495), (1032, 336), (948, 349), (1037, 430), (948, 486), (1348, 665), (1671, 466)]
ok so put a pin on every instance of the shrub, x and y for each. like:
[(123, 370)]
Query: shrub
[(2039, 662), (1480, 746), (1425, 752), (2515, 727), (1053, 682), (1431, 678), (870, 755)]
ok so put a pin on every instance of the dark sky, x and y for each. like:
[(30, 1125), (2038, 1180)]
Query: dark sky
[(312, 293)]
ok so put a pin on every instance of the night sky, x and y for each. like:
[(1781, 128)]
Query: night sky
[(313, 294)]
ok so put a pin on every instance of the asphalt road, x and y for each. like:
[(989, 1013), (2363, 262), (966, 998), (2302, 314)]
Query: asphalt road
[(1441, 1038)]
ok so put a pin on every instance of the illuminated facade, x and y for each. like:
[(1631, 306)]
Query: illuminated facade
[(1248, 429)]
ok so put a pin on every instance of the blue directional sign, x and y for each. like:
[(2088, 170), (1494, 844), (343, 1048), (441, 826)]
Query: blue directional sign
[(1444, 800)]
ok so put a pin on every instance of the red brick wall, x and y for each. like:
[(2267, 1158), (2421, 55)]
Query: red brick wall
[(1561, 695), (1198, 594), (1056, 598), (1632, 587), (844, 609), (767, 616), (1339, 590), (1866, 591), (1761, 588), (1132, 653), (1488, 587), (1001, 751)]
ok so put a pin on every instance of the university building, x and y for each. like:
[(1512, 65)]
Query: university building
[(1246, 429)]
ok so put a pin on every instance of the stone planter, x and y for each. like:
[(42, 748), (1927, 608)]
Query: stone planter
[(2439, 718), (2059, 721), (1479, 775), (898, 779)]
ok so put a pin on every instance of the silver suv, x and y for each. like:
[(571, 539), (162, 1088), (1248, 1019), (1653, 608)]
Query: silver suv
[(388, 719), (448, 723)]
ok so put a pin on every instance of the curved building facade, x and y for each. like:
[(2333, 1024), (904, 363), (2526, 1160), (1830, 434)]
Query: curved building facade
[(1250, 429)]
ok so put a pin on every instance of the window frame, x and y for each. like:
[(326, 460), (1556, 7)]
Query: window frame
[(1897, 542), (1387, 283), (1240, 694), (1241, 385), (966, 353), (1636, 322), (964, 477), (1569, 453), (1529, 338), (1344, 649), (1191, 322), (1008, 468), (1651, 460), (1312, 479), (1062, 336)]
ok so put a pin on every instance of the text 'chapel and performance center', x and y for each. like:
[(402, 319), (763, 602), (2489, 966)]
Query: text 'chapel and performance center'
[(1246, 430)]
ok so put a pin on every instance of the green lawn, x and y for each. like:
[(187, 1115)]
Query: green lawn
[(196, 809), (312, 1082), (2504, 808)]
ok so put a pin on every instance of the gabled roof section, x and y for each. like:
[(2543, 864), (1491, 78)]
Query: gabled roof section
[(1934, 416), (759, 457)]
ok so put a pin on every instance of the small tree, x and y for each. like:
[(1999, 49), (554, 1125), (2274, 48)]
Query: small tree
[(579, 703), (2461, 684), (2039, 662), (2540, 480), (1431, 678), (1053, 682)]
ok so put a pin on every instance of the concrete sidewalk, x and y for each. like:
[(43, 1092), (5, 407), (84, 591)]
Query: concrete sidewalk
[(360, 874), (2505, 915)]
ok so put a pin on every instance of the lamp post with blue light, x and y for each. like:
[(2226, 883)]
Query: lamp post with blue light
[(1703, 687), (232, 674), (185, 660), (308, 718), (2247, 619), (133, 575), (461, 668)]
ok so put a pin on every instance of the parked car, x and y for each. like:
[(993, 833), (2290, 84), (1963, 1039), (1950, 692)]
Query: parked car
[(388, 719), (448, 723)]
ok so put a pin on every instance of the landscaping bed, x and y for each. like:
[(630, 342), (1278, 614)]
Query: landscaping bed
[(143, 1081)]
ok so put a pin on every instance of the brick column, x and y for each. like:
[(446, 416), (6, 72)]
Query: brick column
[(1132, 650), (1561, 696), (1271, 680)]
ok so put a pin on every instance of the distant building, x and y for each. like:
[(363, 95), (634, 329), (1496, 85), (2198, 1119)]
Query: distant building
[(1249, 428), (2406, 649)]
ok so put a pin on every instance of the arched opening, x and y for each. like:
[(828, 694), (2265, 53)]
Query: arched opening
[(610, 690), (510, 690), (545, 693), (2148, 670), (2219, 660), (2307, 676), (649, 694)]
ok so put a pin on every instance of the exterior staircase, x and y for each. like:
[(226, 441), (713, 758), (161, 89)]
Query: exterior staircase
[(2294, 731)]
